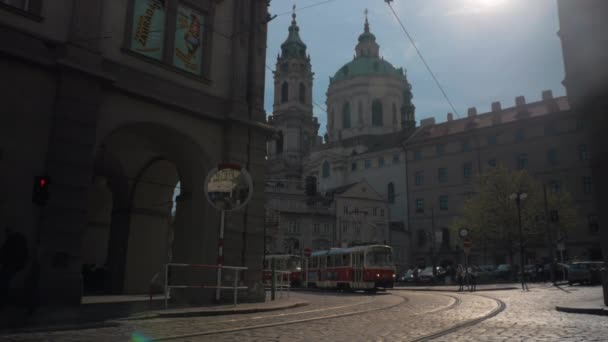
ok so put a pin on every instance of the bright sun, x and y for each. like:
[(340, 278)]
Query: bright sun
[(489, 3)]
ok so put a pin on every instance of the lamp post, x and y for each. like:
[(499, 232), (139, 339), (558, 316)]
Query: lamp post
[(518, 197)]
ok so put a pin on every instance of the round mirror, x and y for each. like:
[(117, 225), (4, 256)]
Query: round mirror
[(228, 187)]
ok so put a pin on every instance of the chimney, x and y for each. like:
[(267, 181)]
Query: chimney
[(427, 122), (520, 101), (496, 107), (450, 116), (472, 112), (522, 110), (550, 102), (547, 95)]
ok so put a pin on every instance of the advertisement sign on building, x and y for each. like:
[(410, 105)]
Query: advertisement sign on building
[(148, 28), (188, 40)]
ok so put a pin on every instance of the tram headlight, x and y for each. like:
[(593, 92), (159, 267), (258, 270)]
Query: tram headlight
[(394, 275), (378, 275)]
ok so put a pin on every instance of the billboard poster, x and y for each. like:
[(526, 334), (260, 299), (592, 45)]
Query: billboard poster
[(148, 28), (188, 40)]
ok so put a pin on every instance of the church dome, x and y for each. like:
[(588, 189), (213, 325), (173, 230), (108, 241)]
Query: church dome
[(366, 66)]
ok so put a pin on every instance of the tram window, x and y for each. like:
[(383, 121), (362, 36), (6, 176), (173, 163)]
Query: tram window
[(345, 260)]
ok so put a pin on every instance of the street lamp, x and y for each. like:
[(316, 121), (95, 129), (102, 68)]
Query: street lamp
[(518, 197)]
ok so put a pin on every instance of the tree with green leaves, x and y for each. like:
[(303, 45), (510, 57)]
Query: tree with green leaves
[(491, 217)]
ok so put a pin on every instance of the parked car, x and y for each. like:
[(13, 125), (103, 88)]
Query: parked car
[(426, 275), (504, 272), (485, 274), (585, 272), (407, 277)]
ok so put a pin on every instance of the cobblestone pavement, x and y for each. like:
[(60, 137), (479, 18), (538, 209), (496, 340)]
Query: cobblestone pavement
[(398, 316)]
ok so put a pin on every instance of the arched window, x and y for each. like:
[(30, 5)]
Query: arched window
[(377, 113), (394, 114), (325, 169), (280, 143), (391, 193), (284, 92), (346, 115), (302, 93)]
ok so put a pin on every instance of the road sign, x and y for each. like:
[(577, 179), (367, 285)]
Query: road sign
[(467, 243), (307, 252)]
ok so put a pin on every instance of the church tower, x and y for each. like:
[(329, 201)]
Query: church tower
[(292, 110)]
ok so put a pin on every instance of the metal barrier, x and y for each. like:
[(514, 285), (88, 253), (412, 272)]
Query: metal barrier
[(218, 287), (282, 284)]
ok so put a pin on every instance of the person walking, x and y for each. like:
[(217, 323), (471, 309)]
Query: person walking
[(13, 258), (472, 278), (460, 277)]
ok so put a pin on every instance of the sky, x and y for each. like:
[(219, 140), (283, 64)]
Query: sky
[(481, 51)]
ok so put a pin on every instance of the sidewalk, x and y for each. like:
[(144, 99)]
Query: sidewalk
[(454, 288), (86, 317), (592, 305)]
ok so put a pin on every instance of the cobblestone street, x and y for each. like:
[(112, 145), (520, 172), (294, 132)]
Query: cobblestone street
[(393, 316)]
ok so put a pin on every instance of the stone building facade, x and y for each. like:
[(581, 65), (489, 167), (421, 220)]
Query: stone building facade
[(546, 138), (118, 102)]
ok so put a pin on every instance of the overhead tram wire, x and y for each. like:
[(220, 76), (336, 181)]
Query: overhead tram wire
[(388, 2)]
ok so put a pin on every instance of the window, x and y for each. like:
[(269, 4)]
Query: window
[(594, 227), (346, 209), (316, 229), (377, 113), (380, 161), (185, 38), (421, 234), (520, 135), (391, 192), (555, 186), (583, 154), (417, 155), (375, 211), (440, 149), (368, 163), (381, 212), (443, 202), (302, 93), (395, 159), (284, 92), (419, 177), (346, 115), (280, 143), (587, 185), (353, 166), (552, 156), (491, 139), (293, 227), (492, 162), (522, 161), (467, 170), (325, 169), (344, 227), (419, 205), (326, 228), (442, 174), (466, 146)]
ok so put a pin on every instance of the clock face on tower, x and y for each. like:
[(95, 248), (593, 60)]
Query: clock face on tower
[(463, 232)]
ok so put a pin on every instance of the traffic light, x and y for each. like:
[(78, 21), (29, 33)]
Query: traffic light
[(40, 192), (311, 186)]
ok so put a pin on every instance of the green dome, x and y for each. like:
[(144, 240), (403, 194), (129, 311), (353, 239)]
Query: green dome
[(366, 66), (367, 36)]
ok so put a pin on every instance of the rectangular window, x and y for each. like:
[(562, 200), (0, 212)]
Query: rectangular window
[(522, 161), (555, 186), (380, 161), (357, 229), (583, 154), (419, 205), (316, 229), (293, 227), (381, 212), (326, 228), (552, 156), (443, 202), (353, 166), (148, 31), (491, 140), (442, 174), (368, 163), (344, 227), (587, 185), (188, 53), (419, 178), (395, 159), (440, 149), (492, 162), (594, 227), (467, 170), (346, 209), (375, 211), (466, 146), (417, 155)]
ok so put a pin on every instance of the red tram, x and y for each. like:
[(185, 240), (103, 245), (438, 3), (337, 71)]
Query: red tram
[(367, 268), (283, 262)]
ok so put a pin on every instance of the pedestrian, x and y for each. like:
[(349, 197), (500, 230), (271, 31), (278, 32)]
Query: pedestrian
[(460, 277), (13, 258), (472, 273)]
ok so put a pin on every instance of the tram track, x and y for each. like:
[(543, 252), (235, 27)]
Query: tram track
[(501, 306), (402, 301)]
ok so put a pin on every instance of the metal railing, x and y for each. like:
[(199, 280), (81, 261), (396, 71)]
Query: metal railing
[(283, 283), (218, 286)]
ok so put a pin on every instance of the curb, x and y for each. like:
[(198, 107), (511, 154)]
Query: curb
[(60, 327), (455, 291), (586, 311), (235, 311)]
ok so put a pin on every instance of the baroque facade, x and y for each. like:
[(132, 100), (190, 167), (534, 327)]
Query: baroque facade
[(359, 168), (118, 103)]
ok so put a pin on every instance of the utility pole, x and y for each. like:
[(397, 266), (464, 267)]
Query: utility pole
[(549, 236), (433, 241)]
